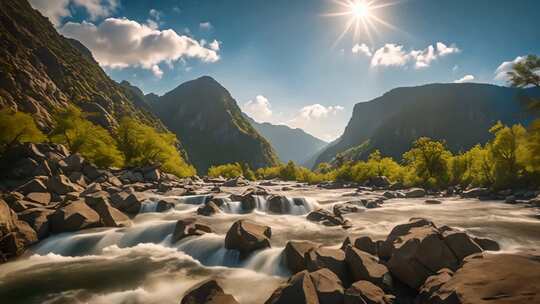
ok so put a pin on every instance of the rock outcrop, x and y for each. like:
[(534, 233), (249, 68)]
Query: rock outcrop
[(247, 237)]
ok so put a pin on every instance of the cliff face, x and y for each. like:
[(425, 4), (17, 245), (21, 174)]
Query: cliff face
[(461, 114), (40, 70), (207, 120)]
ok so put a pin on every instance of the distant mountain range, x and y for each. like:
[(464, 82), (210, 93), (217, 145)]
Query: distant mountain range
[(213, 130), (460, 114), (290, 144), (41, 71)]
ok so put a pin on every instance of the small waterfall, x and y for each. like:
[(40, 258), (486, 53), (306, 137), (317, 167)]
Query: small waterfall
[(210, 251), (300, 206), (149, 206), (195, 199), (269, 261), (293, 206)]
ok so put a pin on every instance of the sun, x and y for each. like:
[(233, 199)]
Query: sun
[(360, 9), (364, 16)]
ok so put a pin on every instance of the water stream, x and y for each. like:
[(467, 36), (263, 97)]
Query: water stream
[(140, 264)]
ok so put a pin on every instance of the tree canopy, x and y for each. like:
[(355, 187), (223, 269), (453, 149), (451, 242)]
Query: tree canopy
[(17, 127)]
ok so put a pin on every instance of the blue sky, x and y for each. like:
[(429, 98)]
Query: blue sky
[(280, 59)]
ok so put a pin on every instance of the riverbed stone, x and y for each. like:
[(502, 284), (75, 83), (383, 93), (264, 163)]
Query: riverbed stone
[(299, 289), (15, 234), (73, 217), (62, 185), (487, 244), (247, 236), (109, 216), (38, 219), (415, 193), (43, 198), (34, 185), (491, 278), (332, 259), (364, 243), (365, 292), (363, 266), (189, 227), (208, 292), (294, 252), (128, 201), (208, 209)]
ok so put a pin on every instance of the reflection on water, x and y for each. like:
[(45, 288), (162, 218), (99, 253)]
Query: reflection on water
[(139, 264)]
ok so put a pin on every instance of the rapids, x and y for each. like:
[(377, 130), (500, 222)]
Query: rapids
[(140, 264)]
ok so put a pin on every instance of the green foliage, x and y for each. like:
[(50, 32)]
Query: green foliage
[(143, 145), (81, 136), (226, 171), (17, 127), (526, 72), (429, 160)]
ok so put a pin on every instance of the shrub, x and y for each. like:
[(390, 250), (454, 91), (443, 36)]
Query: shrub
[(17, 127)]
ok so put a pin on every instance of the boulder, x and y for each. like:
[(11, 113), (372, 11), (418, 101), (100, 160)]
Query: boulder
[(489, 278), (92, 188), (294, 252), (433, 202), (278, 204), (365, 292), (475, 192), (208, 209), (15, 235), (152, 175), (461, 244), (91, 171), (247, 236), (73, 217), (61, 185), (236, 182), (38, 219), (299, 289), (189, 227), (348, 207), (109, 216), (34, 185), (42, 198), (364, 243), (415, 193), (164, 205), (487, 244), (326, 218), (208, 292), (21, 205), (432, 284), (363, 266), (72, 163), (328, 286), (78, 178), (128, 201), (329, 258)]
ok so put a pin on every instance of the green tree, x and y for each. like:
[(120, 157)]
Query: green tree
[(143, 145), (508, 153), (248, 173), (428, 160), (81, 136), (17, 127), (526, 72), (226, 171)]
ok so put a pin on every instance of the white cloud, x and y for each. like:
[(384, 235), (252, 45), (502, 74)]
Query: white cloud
[(362, 48), (444, 50), (57, 10), (214, 45), (258, 109), (466, 78), (98, 8), (389, 55), (316, 111), (154, 13), (120, 43), (501, 74), (324, 122), (205, 26), (394, 55)]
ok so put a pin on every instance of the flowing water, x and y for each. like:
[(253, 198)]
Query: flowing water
[(140, 264)]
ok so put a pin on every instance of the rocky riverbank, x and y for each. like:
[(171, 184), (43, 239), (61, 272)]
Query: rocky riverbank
[(328, 243)]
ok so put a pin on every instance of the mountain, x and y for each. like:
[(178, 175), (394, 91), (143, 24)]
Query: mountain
[(290, 144), (461, 114), (41, 71), (207, 119)]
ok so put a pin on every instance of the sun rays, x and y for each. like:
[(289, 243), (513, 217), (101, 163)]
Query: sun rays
[(362, 17)]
